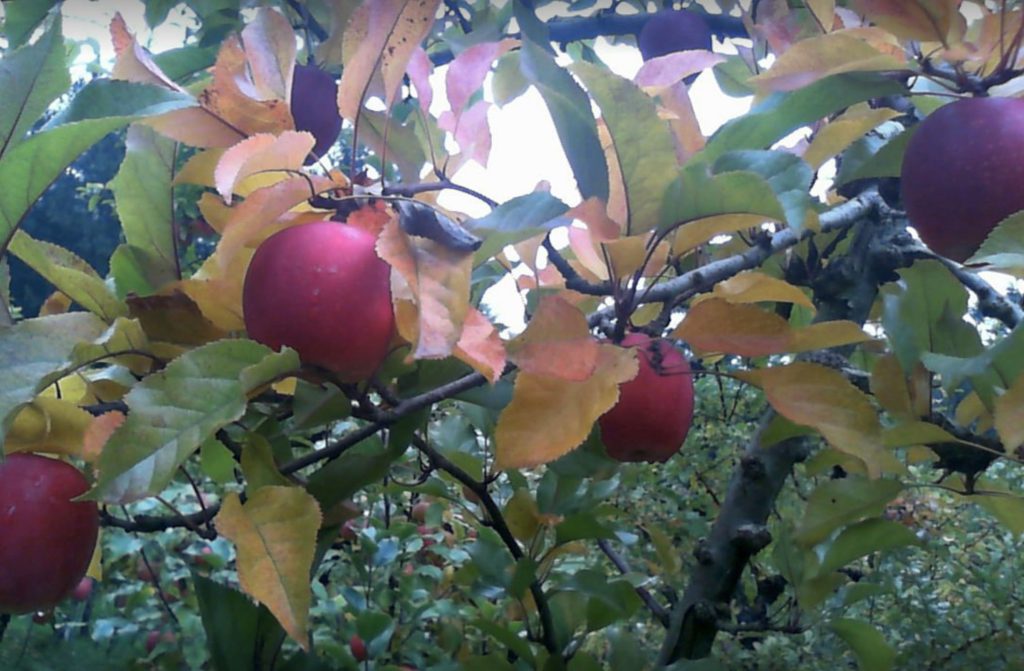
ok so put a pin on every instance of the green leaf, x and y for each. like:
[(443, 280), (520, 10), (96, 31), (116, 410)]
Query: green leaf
[(315, 405), (22, 18), (33, 77), (1003, 504), (35, 352), (923, 312), (996, 367), (145, 204), (788, 175), (217, 461), (874, 156), (516, 220), (181, 63), (173, 412), (782, 113), (609, 600), (838, 502), (643, 144), (861, 539), (696, 193), (1003, 249), (732, 76), (258, 464), (357, 467), (580, 526), (570, 111), (69, 274), (241, 635), (119, 99), (872, 651)]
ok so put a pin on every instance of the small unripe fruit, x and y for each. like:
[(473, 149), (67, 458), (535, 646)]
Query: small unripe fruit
[(357, 647), (655, 409), (83, 590), (46, 539), (321, 289), (963, 173), (314, 106), (668, 31)]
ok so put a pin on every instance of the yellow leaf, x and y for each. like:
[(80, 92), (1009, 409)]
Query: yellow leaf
[(218, 291), (556, 343), (626, 254), (819, 397), (698, 232), (756, 287), (522, 515), (548, 416), (921, 20), (275, 536), (972, 409), (824, 12), (50, 425), (815, 58), (258, 464), (837, 135), (716, 326), (199, 168), (890, 387), (1009, 415)]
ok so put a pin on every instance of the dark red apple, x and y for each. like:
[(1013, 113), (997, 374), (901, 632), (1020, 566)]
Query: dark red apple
[(321, 289), (357, 647), (669, 31), (46, 539), (963, 173), (314, 106), (655, 409)]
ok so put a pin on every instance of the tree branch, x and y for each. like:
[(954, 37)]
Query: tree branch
[(657, 610)]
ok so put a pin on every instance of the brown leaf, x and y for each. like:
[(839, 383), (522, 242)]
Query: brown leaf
[(550, 416)]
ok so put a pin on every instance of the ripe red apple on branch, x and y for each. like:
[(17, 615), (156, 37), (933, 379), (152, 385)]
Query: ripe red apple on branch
[(655, 409), (963, 173), (46, 539), (668, 31), (321, 289)]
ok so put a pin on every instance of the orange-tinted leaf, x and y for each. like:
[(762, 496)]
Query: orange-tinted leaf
[(260, 153), (1009, 415), (233, 97), (133, 63), (588, 256), (480, 346), (819, 397), (549, 416), (922, 20), (682, 120), (756, 287), (556, 342), (717, 326), (815, 58), (594, 214), (438, 278), (270, 48), (371, 218), (274, 532), (889, 386), (98, 433)]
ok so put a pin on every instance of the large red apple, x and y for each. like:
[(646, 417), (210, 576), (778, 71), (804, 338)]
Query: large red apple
[(669, 31), (321, 289), (963, 173), (655, 409), (314, 107), (46, 539)]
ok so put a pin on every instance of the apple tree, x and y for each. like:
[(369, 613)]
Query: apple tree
[(694, 405)]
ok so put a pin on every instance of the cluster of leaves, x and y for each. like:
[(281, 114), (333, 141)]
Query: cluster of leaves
[(716, 242)]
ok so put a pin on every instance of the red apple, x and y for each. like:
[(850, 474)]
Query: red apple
[(357, 647), (314, 107), (46, 539), (83, 590), (963, 174), (669, 31), (419, 511), (655, 409), (321, 289)]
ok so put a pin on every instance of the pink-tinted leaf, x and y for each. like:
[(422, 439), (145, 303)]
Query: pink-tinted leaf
[(467, 72), (259, 153), (557, 342)]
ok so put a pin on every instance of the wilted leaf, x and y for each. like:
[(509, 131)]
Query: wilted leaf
[(438, 278), (274, 532), (835, 503), (715, 325), (643, 145), (174, 411), (549, 416), (822, 398), (557, 342), (34, 352)]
